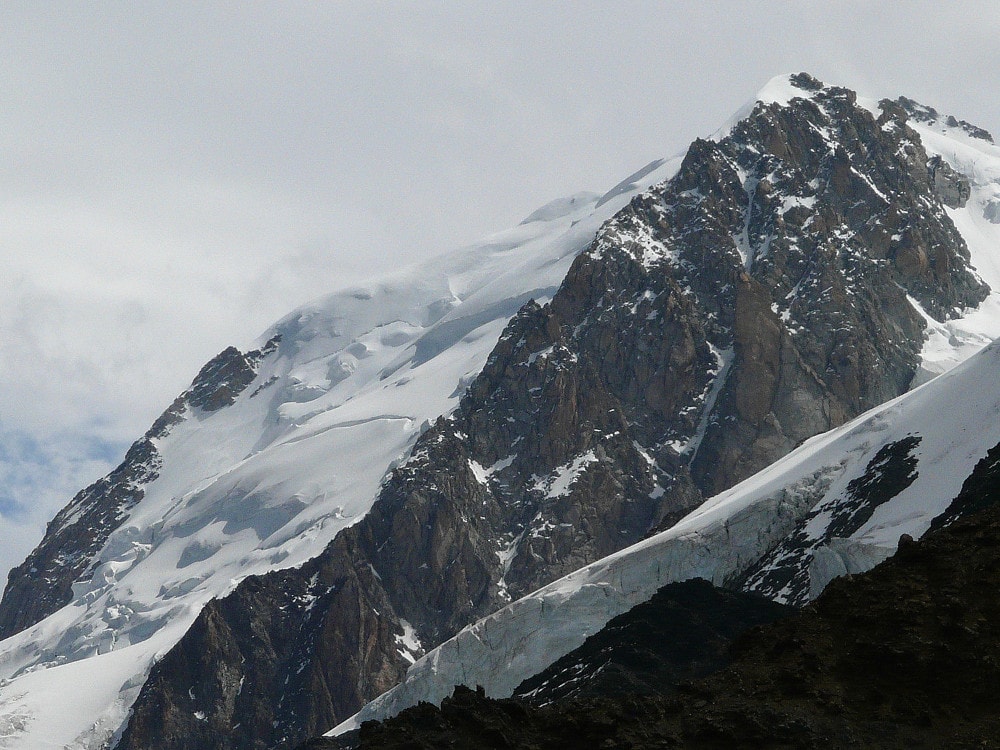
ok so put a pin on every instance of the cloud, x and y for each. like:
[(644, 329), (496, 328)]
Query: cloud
[(38, 476), (175, 178)]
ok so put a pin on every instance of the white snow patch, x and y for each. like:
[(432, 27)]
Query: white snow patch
[(645, 454), (724, 360), (794, 201), (506, 555), (484, 474), (558, 483), (409, 646), (540, 354)]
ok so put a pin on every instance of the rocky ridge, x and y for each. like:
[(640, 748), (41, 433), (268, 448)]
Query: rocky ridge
[(764, 294), (68, 553)]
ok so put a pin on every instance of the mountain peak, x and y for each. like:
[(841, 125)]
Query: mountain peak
[(779, 90), (783, 88)]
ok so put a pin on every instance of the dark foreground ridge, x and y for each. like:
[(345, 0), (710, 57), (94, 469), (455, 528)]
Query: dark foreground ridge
[(907, 655), (684, 632)]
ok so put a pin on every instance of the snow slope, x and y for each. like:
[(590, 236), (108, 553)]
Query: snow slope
[(956, 417), (979, 222), (269, 481)]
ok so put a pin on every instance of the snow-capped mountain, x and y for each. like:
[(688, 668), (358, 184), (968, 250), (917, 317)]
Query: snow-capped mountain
[(297, 529)]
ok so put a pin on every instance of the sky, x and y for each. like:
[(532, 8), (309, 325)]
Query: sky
[(175, 177)]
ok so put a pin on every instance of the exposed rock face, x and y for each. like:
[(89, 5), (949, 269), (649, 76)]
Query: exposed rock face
[(951, 187), (225, 377), (822, 329), (905, 655), (328, 623), (757, 298), (925, 114), (44, 581)]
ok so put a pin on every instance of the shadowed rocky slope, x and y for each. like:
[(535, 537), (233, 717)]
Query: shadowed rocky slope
[(682, 633)]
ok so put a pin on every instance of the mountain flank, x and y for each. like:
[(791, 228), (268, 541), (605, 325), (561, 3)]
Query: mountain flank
[(73, 539)]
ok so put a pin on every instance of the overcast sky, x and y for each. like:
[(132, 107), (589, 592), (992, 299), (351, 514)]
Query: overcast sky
[(173, 180)]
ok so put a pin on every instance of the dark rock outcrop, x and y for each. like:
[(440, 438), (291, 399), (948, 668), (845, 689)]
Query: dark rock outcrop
[(951, 187), (978, 491), (44, 581), (328, 623), (225, 377), (757, 298), (930, 116)]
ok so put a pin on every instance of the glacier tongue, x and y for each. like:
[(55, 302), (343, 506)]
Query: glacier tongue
[(268, 481)]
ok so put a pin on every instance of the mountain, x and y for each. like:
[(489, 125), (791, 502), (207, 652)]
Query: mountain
[(678, 334), (390, 464), (903, 656)]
